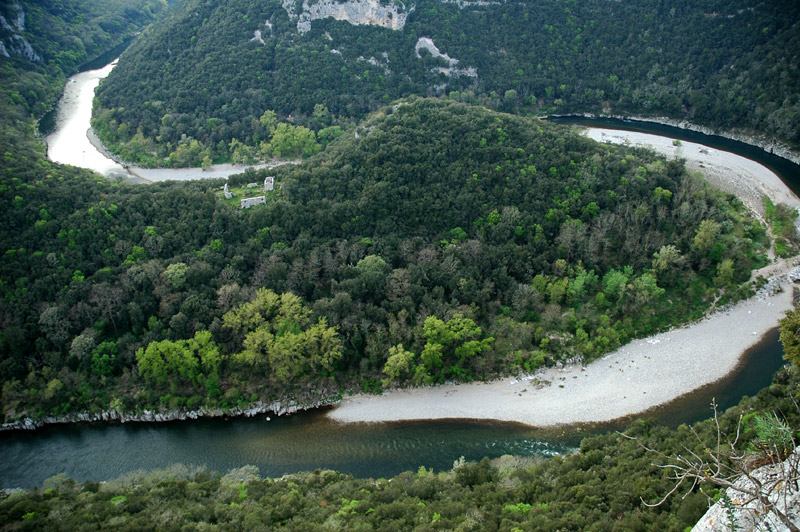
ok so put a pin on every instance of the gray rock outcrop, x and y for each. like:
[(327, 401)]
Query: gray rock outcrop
[(15, 43), (358, 12), (747, 513), (278, 408)]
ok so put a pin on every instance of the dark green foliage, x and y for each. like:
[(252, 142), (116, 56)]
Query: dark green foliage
[(201, 77), (63, 35)]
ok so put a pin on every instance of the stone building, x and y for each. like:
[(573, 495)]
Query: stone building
[(249, 202)]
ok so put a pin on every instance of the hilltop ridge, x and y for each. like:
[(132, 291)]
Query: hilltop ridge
[(209, 72)]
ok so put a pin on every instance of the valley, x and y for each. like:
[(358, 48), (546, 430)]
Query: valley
[(431, 231)]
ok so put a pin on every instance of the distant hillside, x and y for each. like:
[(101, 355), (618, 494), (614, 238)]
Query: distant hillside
[(211, 70)]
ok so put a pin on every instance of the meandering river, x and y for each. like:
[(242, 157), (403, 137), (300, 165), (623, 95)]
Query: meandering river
[(310, 440), (72, 142)]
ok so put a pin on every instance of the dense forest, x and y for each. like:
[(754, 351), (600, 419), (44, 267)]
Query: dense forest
[(42, 43), (198, 87), (437, 241)]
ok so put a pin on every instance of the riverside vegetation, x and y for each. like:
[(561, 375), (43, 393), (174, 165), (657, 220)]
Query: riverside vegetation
[(600, 487)]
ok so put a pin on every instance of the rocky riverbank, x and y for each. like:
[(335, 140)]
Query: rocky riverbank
[(277, 408)]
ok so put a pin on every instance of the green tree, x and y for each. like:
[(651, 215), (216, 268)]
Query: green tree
[(279, 339), (399, 364), (176, 274), (451, 345), (790, 336), (104, 358), (293, 141), (189, 360), (706, 236)]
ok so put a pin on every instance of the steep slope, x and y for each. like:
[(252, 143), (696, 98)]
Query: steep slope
[(43, 42), (211, 70)]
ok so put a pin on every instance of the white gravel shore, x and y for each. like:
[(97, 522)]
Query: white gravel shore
[(636, 377), (747, 179)]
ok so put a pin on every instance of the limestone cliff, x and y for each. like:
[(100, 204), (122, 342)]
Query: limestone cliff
[(12, 41), (359, 12), (738, 511)]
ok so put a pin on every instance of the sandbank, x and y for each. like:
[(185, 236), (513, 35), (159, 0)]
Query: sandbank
[(640, 375)]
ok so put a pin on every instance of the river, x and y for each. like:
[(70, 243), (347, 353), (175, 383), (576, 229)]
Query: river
[(71, 141), (311, 440)]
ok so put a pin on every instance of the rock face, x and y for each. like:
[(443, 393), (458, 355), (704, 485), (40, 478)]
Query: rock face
[(462, 4), (426, 43), (277, 408), (750, 515), (358, 12), (16, 43)]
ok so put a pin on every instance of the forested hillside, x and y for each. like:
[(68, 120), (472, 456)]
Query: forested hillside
[(198, 83), (437, 241), (434, 241)]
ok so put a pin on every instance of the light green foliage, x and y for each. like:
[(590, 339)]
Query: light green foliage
[(176, 274), (348, 507), (53, 388), (279, 339), (790, 337), (371, 263), (706, 236), (399, 364), (667, 258), (138, 254), (773, 434), (781, 220), (189, 153), (268, 119), (329, 134), (458, 234), (615, 282), (645, 289), (216, 245), (662, 195), (582, 283), (518, 508), (451, 345), (292, 141), (190, 360), (725, 273)]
